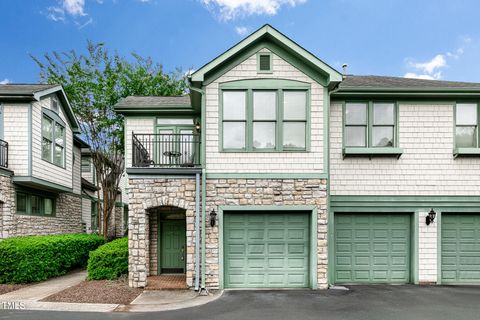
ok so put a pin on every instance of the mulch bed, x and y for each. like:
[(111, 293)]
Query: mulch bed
[(5, 288), (97, 291)]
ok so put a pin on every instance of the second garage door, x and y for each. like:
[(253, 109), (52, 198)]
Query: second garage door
[(266, 250), (460, 248), (372, 248)]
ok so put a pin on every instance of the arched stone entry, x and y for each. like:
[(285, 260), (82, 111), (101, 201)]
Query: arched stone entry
[(145, 219)]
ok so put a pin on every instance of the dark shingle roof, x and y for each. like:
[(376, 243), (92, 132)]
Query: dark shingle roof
[(383, 82), (25, 89), (153, 101)]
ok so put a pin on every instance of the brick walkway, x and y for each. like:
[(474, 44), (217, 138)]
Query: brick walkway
[(167, 282)]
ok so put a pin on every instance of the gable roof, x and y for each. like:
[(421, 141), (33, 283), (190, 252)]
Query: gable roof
[(354, 85), (19, 92), (267, 33), (352, 81), (158, 104), (153, 101), (23, 89)]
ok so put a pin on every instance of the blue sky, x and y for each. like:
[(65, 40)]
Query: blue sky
[(435, 39)]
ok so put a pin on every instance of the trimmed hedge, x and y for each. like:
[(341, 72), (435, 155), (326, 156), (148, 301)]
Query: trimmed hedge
[(37, 258), (109, 261)]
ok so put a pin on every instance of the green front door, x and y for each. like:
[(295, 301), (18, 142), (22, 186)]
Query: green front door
[(460, 248), (372, 248), (172, 248), (266, 250)]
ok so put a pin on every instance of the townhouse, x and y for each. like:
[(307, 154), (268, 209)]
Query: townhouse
[(277, 171), (42, 188)]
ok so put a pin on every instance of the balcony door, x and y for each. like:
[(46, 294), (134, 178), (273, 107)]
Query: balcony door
[(175, 146)]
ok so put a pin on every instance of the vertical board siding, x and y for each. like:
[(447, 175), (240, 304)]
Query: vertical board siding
[(136, 125), (77, 175), (43, 169), (273, 162), (426, 167), (16, 133), (427, 249)]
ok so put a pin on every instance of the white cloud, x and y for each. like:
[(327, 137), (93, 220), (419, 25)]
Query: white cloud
[(241, 30), (429, 67), (74, 7), (413, 75), (432, 69), (5, 81), (230, 9)]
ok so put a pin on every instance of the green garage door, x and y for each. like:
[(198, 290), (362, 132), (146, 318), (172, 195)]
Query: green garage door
[(266, 250), (460, 248), (372, 248)]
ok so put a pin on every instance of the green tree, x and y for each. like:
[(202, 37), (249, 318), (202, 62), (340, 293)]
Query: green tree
[(94, 82)]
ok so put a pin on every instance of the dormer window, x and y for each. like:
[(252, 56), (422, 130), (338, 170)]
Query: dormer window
[(264, 62), (55, 104)]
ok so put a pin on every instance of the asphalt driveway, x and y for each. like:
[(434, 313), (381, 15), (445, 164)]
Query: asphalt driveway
[(360, 302)]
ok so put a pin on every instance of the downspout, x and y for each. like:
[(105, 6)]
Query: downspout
[(203, 197), (330, 236), (197, 231)]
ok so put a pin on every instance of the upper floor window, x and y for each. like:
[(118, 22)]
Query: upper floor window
[(370, 124), (86, 164), (466, 125), (53, 141), (264, 120), (55, 104)]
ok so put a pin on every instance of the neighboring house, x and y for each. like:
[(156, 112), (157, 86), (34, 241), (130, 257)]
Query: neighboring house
[(39, 162), (91, 192), (44, 186), (277, 171)]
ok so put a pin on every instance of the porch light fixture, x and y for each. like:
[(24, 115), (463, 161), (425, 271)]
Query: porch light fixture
[(213, 217), (197, 126), (430, 218)]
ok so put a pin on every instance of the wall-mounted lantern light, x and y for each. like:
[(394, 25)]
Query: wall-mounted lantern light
[(430, 218), (213, 217), (197, 126)]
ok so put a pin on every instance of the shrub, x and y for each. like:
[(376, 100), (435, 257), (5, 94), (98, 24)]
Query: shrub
[(37, 258), (109, 261)]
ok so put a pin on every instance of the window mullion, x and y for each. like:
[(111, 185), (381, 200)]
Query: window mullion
[(368, 136), (279, 115), (249, 121)]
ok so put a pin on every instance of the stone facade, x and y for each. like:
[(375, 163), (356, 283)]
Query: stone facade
[(280, 192), (68, 219), (7, 206), (145, 195)]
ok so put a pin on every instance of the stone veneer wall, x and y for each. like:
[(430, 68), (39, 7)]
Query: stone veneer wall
[(279, 192), (7, 205), (68, 219), (153, 254), (147, 194)]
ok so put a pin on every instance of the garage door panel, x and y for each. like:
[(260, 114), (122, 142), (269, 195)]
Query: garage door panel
[(274, 252), (377, 251), (460, 248)]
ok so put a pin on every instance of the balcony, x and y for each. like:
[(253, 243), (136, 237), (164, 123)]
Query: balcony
[(166, 151), (3, 154)]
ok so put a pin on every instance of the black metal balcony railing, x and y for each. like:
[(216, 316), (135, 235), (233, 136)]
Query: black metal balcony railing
[(165, 150), (3, 153)]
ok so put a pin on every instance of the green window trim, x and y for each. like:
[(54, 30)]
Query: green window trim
[(50, 141), (474, 149), (35, 204), (279, 86), (86, 164), (368, 148), (94, 215), (260, 61)]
